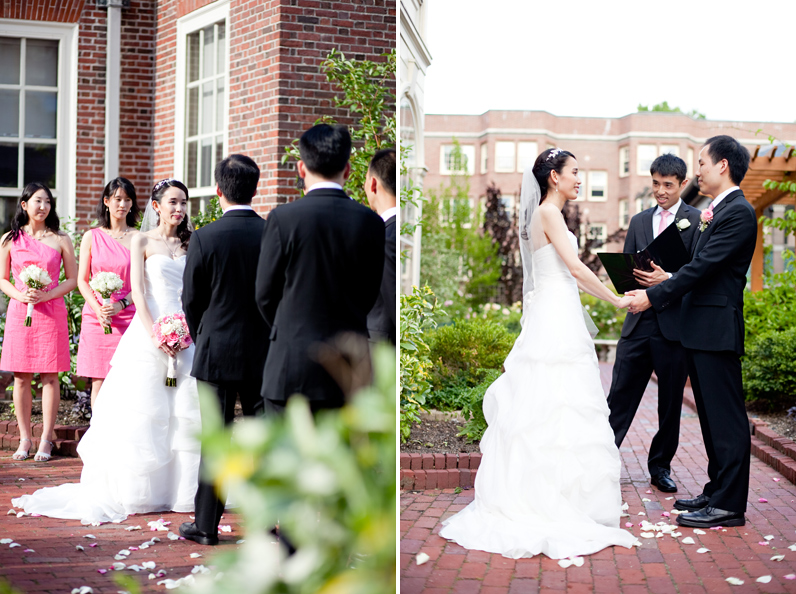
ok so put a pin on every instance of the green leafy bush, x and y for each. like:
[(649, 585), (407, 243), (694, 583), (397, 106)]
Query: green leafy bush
[(465, 347), (769, 370), (605, 316), (495, 312), (473, 409), (212, 212), (417, 315)]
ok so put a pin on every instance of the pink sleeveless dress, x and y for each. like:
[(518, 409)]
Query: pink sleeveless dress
[(96, 348), (43, 347)]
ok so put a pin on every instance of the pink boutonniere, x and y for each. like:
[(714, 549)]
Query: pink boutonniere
[(706, 217)]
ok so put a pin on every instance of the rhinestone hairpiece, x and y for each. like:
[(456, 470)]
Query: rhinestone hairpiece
[(162, 183), (553, 153)]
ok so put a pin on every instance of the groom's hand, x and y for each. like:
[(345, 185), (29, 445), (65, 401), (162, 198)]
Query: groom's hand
[(650, 279), (640, 301)]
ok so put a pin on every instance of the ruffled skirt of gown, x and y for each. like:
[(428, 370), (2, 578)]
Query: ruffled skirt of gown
[(548, 481)]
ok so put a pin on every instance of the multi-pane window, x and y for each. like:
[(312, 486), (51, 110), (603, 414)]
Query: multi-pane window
[(526, 155), (598, 185), (484, 158), (504, 157), (624, 161), (205, 113), (28, 111), (645, 155), (451, 162), (624, 214), (670, 149), (689, 161)]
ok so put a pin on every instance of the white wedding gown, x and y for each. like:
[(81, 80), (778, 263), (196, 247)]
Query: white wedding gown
[(548, 481), (141, 452)]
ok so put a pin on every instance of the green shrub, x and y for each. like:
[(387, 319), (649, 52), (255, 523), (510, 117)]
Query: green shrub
[(473, 410), (769, 370), (453, 393), (467, 346), (605, 316), (495, 312)]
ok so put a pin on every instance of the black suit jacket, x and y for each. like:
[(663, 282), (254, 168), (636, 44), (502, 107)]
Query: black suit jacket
[(319, 275), (381, 319), (712, 284), (640, 235), (218, 299)]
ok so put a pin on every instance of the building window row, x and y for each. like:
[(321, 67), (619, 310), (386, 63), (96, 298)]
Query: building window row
[(647, 153)]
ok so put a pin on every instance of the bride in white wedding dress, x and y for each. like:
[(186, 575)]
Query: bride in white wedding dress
[(141, 452), (548, 481)]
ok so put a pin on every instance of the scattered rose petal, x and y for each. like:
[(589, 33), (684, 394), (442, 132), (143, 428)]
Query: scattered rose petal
[(628, 525), (645, 500), (792, 547), (790, 576), (703, 550), (778, 558), (576, 561), (763, 579), (119, 557), (158, 525), (194, 517), (89, 536), (80, 548), (763, 543), (642, 514), (173, 536), (769, 537), (776, 480), (118, 566), (637, 543), (203, 569), (6, 541), (11, 512), (669, 498), (131, 528), (665, 514), (733, 581), (698, 531), (93, 544), (20, 479), (133, 548), (22, 514), (647, 535), (82, 590), (421, 557), (659, 535), (225, 528), (241, 541), (676, 534), (624, 506), (677, 512), (161, 572), (144, 545), (762, 500), (153, 540), (135, 568), (124, 552), (28, 551), (715, 527), (688, 540), (148, 565), (647, 491), (102, 571)]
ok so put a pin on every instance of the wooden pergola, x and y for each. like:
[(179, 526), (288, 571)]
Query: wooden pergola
[(774, 162)]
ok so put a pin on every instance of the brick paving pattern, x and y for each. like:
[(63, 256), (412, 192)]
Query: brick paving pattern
[(57, 566), (660, 566)]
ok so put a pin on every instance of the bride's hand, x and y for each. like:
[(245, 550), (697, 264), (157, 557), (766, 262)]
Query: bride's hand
[(624, 301), (163, 347)]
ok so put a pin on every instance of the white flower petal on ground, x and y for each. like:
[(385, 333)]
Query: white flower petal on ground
[(148, 565), (197, 555), (80, 548), (703, 550), (763, 579), (119, 566), (29, 551), (698, 531), (20, 479), (158, 525), (648, 491), (152, 576), (688, 540), (420, 558), (161, 572), (677, 512), (790, 576), (642, 514), (135, 568), (102, 571), (144, 545), (11, 512), (734, 581), (776, 480), (173, 536), (769, 537), (645, 500), (637, 543), (647, 535), (669, 498), (131, 528), (22, 514), (778, 558), (676, 534), (89, 536), (792, 547), (124, 552), (241, 541), (763, 543), (200, 569), (83, 590), (14, 545), (659, 535), (624, 506), (119, 557), (225, 528), (6, 540)]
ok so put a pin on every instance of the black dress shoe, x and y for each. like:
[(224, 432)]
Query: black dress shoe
[(663, 481), (710, 517), (695, 504), (191, 532)]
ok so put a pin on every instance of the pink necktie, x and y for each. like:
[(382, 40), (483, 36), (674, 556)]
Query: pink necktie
[(710, 206), (662, 226)]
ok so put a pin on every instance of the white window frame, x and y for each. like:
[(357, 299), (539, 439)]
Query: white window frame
[(592, 175), (639, 205), (65, 191), (584, 177), (624, 159), (602, 236), (689, 162), (534, 152), (624, 213), (468, 150), (191, 23), (484, 158), (671, 149), (644, 170), (507, 168), (509, 204)]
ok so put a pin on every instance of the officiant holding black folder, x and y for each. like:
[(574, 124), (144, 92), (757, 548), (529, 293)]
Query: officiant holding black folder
[(650, 341)]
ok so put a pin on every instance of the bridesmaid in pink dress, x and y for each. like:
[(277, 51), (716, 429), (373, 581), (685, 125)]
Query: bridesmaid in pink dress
[(106, 249), (43, 347)]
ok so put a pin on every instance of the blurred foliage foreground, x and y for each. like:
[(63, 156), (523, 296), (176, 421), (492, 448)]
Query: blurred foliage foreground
[(328, 481)]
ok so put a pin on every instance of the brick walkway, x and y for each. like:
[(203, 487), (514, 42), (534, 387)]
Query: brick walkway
[(55, 565), (660, 565)]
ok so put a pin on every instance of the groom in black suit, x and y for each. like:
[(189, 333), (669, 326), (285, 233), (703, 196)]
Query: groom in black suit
[(222, 315), (712, 331), (319, 273), (650, 341)]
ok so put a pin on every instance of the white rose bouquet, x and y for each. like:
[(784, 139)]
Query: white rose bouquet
[(34, 278), (106, 284), (172, 330)]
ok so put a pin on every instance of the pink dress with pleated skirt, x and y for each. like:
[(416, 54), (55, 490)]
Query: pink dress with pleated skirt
[(42, 347), (96, 348)]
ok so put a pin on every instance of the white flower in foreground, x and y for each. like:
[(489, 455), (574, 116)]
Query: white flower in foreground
[(698, 531), (683, 224), (734, 581), (195, 555), (703, 550), (763, 579), (688, 540), (778, 558)]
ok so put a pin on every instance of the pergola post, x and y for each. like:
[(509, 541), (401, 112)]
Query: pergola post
[(758, 261)]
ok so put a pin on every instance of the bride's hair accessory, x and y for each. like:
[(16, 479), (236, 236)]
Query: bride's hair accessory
[(553, 153), (162, 183)]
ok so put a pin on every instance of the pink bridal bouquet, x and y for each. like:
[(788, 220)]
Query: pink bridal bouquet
[(34, 278), (172, 330), (106, 284)]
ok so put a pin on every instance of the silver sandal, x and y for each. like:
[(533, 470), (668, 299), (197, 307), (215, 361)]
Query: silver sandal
[(42, 456)]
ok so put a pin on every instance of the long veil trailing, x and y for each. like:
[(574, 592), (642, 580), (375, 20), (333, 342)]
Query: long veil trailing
[(150, 219), (530, 196)]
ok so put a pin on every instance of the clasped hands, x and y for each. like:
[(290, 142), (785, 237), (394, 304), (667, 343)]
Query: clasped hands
[(637, 301), (33, 296), (106, 312)]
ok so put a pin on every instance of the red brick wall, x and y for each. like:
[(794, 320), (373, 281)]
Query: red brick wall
[(63, 11), (276, 87), (136, 103)]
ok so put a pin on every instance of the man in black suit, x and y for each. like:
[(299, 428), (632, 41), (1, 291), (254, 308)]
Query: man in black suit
[(651, 341), (222, 315), (712, 331), (319, 273), (380, 186)]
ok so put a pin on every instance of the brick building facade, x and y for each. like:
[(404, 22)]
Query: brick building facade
[(197, 80), (614, 154)]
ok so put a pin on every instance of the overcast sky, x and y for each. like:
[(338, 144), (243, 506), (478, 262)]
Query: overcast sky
[(603, 58)]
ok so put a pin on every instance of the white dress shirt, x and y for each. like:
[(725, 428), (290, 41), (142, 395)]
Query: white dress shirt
[(723, 195), (390, 212), (237, 207), (656, 217), (324, 186)]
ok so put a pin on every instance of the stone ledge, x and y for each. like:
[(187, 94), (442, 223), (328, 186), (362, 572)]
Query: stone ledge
[(65, 444), (438, 471)]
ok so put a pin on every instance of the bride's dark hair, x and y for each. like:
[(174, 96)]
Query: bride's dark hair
[(552, 159), (184, 229)]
